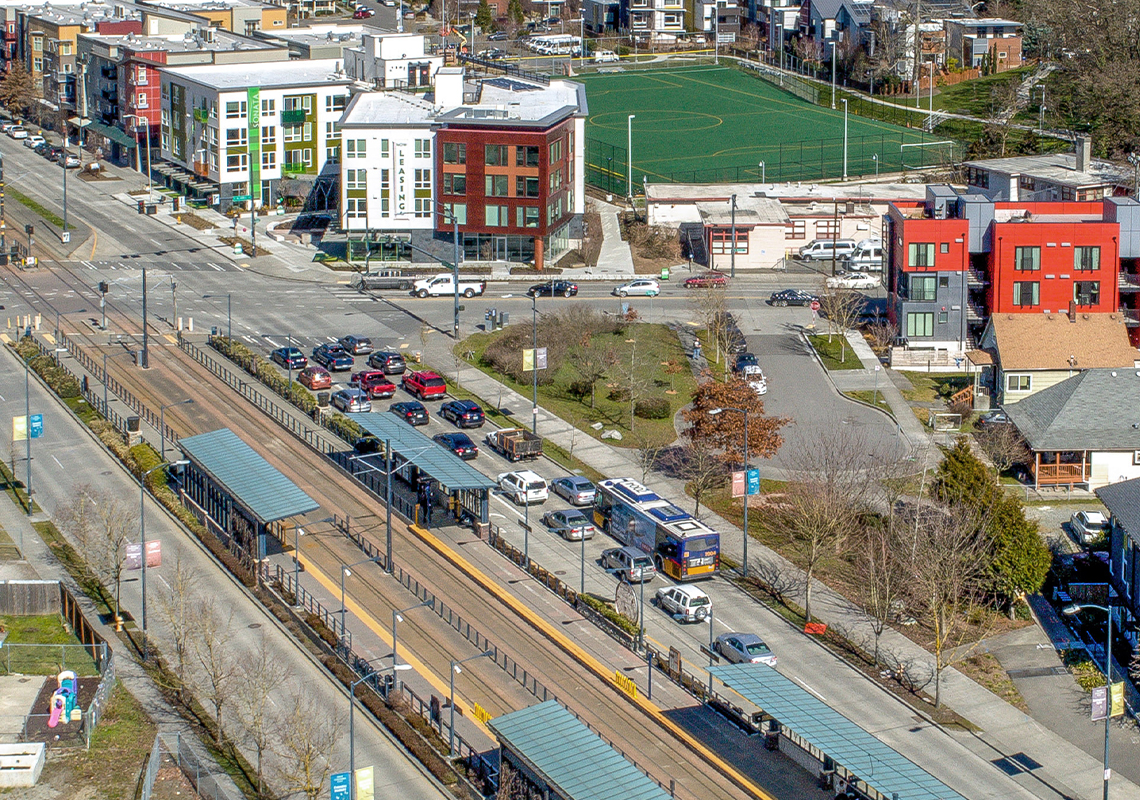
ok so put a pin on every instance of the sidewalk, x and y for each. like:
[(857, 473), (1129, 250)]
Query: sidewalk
[(615, 257)]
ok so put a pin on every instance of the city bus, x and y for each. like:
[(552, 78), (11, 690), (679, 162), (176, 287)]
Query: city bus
[(682, 547)]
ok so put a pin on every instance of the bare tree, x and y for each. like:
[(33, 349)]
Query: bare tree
[(1003, 445), (260, 676), (78, 520), (591, 361), (707, 303), (309, 735), (702, 470), (841, 307), (879, 576), (102, 524), (214, 649), (650, 445), (177, 607)]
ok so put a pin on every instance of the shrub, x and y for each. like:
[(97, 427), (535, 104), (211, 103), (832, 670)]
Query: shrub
[(343, 427), (619, 395), (652, 408)]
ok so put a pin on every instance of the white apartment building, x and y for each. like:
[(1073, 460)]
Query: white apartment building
[(254, 132), (654, 19), (393, 61)]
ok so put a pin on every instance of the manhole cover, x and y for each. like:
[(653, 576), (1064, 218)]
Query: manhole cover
[(559, 572), (254, 625)]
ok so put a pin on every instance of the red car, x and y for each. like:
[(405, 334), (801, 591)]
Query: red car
[(424, 385), (374, 382), (315, 378), (705, 280)]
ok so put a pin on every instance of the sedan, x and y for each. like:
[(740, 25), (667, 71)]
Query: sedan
[(852, 280), (1088, 526), (792, 297), (744, 648), (289, 358), (332, 357), (705, 280), (34, 140), (71, 161), (356, 345), (315, 378), (497, 36), (642, 287), (411, 412), (373, 383), (351, 401), (18, 132), (458, 443), (570, 523), (993, 417), (363, 13), (553, 288), (575, 490)]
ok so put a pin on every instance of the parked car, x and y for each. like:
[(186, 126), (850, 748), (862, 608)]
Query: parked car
[(523, 486), (351, 400), (1088, 526), (852, 280), (18, 132), (552, 288), (493, 54), (356, 345), (497, 36), (374, 383), (705, 280), (745, 360), (569, 523), (792, 297), (994, 416), (363, 13), (642, 287), (411, 412), (633, 565), (332, 357), (684, 603), (458, 443), (71, 161), (605, 57), (754, 377), (387, 362), (575, 489), (7, 126), (51, 152), (41, 149), (744, 648), (463, 413), (34, 140), (289, 358), (315, 378), (424, 385), (821, 249)]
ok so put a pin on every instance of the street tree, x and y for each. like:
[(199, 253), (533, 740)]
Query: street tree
[(841, 307), (177, 608), (591, 361), (650, 444), (879, 575), (18, 90), (116, 522), (707, 304), (218, 678), (308, 738), (260, 675), (724, 433), (1003, 445), (77, 519), (702, 470)]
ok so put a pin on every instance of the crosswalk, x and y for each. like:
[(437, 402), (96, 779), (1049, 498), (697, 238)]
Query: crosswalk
[(140, 264)]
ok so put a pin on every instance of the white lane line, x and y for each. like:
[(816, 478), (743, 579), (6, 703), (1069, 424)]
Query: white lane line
[(56, 460), (272, 343), (215, 266), (813, 691)]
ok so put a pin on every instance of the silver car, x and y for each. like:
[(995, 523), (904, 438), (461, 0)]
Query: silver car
[(1088, 526), (644, 287), (351, 400), (575, 489), (571, 524), (744, 648), (629, 564)]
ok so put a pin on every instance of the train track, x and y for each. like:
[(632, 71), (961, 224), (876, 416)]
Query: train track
[(654, 742)]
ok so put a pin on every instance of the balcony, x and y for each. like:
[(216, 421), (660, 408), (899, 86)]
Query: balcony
[(1131, 317), (1127, 282), (201, 115), (974, 278), (201, 169), (110, 95), (292, 117), (975, 313), (110, 73), (293, 168), (1057, 473)]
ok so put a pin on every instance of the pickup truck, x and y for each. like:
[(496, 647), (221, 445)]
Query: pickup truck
[(515, 444), (424, 385), (444, 284)]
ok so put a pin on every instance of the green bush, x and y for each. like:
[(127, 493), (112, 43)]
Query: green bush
[(343, 427), (611, 614), (652, 408)]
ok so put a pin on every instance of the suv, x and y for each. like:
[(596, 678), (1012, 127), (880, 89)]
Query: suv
[(289, 358), (388, 363), (524, 486), (827, 248), (351, 400), (356, 345), (684, 603), (631, 564), (1088, 526), (424, 385), (462, 413)]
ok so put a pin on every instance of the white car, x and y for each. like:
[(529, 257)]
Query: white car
[(645, 287), (1088, 526), (524, 486), (852, 280), (32, 141), (18, 132), (684, 603)]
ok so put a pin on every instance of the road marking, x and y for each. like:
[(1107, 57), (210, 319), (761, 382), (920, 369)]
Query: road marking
[(813, 691), (215, 266), (272, 343), (87, 264), (56, 460)]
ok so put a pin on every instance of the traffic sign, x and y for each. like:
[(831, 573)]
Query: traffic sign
[(815, 305), (339, 786), (738, 484), (241, 198)]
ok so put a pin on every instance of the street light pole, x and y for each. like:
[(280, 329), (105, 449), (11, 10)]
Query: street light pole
[(162, 419), (397, 618), (297, 534), (1071, 610), (763, 172), (629, 155), (352, 721), (142, 537), (732, 256), (744, 413), (346, 571), (844, 138), (534, 362), (452, 673)]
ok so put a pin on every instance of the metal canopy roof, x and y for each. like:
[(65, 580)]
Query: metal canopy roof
[(263, 490), (833, 734), (569, 756), (434, 459)]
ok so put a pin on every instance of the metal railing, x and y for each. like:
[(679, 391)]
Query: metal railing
[(20, 657)]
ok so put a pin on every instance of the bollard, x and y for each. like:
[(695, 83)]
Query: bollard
[(190, 324)]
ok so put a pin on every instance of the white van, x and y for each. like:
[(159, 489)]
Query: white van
[(605, 57), (865, 258), (824, 249)]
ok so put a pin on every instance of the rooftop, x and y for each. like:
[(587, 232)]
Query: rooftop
[(1123, 501), (510, 101), (860, 192), (369, 109), (750, 211), (317, 34), (267, 75), (1098, 409), (1056, 342), (187, 42), (983, 23), (1058, 168), (204, 5), (87, 15)]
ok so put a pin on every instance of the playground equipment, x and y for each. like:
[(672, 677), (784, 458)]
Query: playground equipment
[(65, 700)]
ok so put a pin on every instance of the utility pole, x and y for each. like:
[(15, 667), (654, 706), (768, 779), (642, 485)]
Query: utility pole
[(145, 363)]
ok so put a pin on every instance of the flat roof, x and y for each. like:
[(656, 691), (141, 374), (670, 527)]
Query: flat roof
[(568, 755), (251, 480), (509, 101), (1059, 168), (387, 109), (434, 459), (859, 191), (266, 74), (817, 723), (181, 43), (317, 34)]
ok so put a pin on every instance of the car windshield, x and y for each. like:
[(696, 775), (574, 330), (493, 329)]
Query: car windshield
[(642, 562), (757, 649)]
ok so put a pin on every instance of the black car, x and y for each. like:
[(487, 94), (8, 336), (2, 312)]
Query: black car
[(289, 358), (387, 362), (411, 411), (368, 445), (458, 443), (552, 288), (356, 345), (745, 360), (792, 297), (462, 413), (497, 36)]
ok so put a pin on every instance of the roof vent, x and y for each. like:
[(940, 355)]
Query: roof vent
[(1113, 373)]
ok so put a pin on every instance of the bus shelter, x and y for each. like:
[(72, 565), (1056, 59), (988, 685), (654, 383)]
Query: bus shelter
[(437, 475), (556, 757), (237, 494), (819, 738)]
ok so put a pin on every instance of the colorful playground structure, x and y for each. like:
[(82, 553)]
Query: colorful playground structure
[(65, 700)]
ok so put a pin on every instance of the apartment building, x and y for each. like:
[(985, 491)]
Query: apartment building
[(393, 61), (240, 133), (991, 43), (653, 19), (316, 41), (1049, 176), (237, 16)]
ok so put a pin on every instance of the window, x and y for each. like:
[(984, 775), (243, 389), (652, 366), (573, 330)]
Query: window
[(943, 317), (237, 163), (268, 108), (332, 154), (143, 101), (455, 212), (165, 90), (385, 191), (498, 216), (235, 109), (556, 151), (454, 183), (269, 135), (308, 133), (498, 185), (237, 137), (921, 255), (1018, 383), (165, 118), (495, 155), (423, 148), (978, 177), (332, 130), (721, 241), (423, 207), (383, 149), (526, 216), (423, 178), (354, 148), (826, 229), (355, 179), (1086, 258), (37, 43), (795, 229), (556, 179), (304, 103), (526, 187), (944, 247), (269, 159), (1086, 293), (141, 76), (454, 153), (38, 64), (356, 208), (293, 133), (526, 156), (920, 324), (923, 288), (307, 156), (1026, 293), (1027, 258), (335, 103)]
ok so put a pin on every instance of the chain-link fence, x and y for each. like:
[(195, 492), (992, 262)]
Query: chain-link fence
[(172, 750)]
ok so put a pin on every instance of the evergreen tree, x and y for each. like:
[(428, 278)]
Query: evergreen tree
[(483, 17), (515, 12)]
